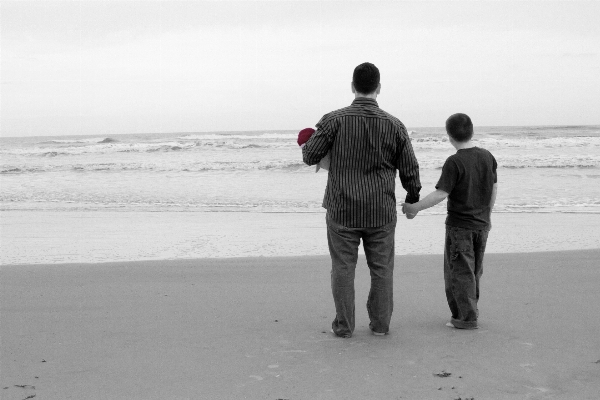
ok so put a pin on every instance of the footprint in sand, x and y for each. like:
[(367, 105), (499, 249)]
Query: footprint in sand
[(527, 367), (25, 391), (538, 389)]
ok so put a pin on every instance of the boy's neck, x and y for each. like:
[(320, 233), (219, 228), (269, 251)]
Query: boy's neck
[(461, 145)]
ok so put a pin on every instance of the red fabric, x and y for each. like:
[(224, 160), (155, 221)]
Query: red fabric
[(304, 135)]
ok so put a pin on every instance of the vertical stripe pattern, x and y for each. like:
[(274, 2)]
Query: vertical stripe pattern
[(367, 146)]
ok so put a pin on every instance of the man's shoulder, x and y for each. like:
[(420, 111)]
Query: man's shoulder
[(340, 112), (392, 118), (394, 121), (351, 108), (357, 110)]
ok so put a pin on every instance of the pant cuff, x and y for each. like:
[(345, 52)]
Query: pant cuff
[(464, 324)]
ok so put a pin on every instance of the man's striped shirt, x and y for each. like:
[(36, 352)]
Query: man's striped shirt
[(367, 146)]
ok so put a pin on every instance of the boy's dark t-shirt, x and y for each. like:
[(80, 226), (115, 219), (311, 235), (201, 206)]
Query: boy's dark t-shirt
[(468, 177)]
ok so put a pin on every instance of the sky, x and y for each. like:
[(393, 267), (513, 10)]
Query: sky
[(111, 67)]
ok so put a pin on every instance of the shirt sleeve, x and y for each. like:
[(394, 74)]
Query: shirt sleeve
[(319, 143), (449, 177), (494, 167), (408, 169)]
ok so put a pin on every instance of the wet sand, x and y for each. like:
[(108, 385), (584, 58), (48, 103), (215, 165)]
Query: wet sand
[(46, 237), (258, 328)]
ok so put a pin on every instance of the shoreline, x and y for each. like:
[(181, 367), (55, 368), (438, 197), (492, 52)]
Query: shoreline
[(90, 237), (237, 260), (258, 328)]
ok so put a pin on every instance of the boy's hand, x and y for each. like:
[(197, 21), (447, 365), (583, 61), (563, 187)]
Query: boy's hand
[(410, 210)]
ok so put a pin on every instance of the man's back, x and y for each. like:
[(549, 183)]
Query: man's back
[(367, 146)]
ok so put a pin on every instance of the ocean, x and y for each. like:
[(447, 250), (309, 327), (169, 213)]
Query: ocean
[(540, 169), (173, 195)]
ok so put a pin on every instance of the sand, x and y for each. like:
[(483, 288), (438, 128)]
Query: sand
[(258, 328)]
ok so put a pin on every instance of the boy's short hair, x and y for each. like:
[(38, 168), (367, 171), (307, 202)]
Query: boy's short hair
[(365, 78), (459, 127)]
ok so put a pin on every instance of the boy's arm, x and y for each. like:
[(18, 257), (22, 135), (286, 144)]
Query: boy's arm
[(430, 200), (493, 199)]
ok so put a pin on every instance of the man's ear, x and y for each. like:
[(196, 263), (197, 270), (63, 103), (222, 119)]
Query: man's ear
[(378, 88), (352, 87)]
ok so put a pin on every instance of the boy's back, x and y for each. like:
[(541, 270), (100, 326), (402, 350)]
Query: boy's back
[(468, 177)]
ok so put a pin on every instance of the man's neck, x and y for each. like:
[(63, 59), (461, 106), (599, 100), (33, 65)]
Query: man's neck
[(366, 96)]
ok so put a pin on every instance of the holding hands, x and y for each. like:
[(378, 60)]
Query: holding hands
[(430, 200), (410, 210)]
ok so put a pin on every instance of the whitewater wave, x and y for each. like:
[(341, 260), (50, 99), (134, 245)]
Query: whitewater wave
[(284, 165), (262, 165), (247, 136), (280, 141), (79, 141), (107, 147), (502, 143)]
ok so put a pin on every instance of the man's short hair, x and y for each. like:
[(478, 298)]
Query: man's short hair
[(365, 78), (459, 127)]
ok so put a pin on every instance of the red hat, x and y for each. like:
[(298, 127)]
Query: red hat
[(304, 135)]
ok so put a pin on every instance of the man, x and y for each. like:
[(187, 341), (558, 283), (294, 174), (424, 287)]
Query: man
[(366, 146)]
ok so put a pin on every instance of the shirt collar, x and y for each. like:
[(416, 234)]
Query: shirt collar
[(365, 101)]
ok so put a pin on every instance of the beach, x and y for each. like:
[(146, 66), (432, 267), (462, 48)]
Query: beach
[(163, 238), (195, 266), (258, 328)]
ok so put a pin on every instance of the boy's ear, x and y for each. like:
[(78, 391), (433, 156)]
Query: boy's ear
[(352, 87), (378, 88)]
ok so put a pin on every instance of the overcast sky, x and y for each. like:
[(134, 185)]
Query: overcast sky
[(106, 67)]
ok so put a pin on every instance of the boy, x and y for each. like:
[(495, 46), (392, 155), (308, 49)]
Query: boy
[(469, 181)]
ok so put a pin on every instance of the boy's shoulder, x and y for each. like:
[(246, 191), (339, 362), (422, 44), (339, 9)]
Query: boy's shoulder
[(485, 151), (468, 158), (470, 152)]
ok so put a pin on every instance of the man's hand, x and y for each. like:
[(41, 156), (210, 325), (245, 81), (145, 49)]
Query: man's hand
[(410, 210), (430, 200)]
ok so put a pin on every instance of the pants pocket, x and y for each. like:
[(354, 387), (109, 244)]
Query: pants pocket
[(460, 242), (334, 226)]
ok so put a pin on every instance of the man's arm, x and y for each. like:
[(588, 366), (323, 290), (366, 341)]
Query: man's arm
[(408, 170), (318, 145), (430, 200)]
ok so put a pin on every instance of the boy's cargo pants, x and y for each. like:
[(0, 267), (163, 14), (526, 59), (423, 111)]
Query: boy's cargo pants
[(463, 266)]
